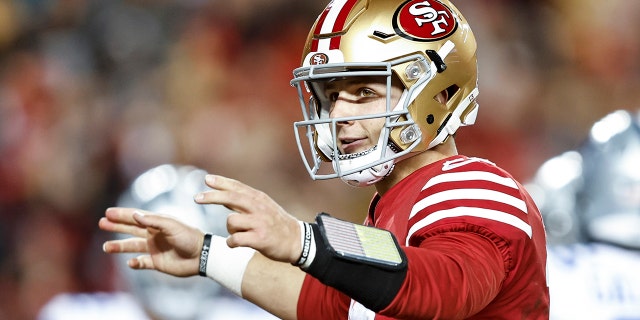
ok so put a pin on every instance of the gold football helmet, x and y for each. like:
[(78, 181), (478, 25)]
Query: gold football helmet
[(426, 44)]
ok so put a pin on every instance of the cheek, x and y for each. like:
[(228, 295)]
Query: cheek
[(373, 127)]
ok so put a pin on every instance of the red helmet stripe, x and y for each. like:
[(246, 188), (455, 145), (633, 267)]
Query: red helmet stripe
[(340, 21), (332, 19), (316, 31)]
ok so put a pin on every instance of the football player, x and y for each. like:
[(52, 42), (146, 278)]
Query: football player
[(384, 85), (590, 201)]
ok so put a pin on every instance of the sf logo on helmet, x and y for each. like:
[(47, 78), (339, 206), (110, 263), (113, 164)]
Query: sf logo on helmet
[(318, 58), (424, 20)]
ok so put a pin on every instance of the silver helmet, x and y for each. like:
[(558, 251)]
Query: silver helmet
[(609, 201), (169, 189), (593, 193)]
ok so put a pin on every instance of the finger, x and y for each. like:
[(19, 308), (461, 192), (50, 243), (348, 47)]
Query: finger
[(131, 245), (233, 195), (247, 231), (122, 220), (134, 230), (257, 241), (162, 223), (120, 215), (141, 262), (223, 183), (223, 190), (237, 222), (243, 239)]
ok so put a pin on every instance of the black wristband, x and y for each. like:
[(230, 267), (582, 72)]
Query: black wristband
[(204, 254), (306, 245)]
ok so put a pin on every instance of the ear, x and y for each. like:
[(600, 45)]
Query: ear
[(442, 97)]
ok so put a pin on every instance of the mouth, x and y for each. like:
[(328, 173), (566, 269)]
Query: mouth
[(348, 156), (350, 145)]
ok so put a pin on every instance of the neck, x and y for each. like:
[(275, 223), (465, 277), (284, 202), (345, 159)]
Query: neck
[(418, 160)]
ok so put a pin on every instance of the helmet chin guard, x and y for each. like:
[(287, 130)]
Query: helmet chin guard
[(370, 175)]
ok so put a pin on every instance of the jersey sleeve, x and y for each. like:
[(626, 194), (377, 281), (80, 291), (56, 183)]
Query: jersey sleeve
[(320, 302), (452, 275), (469, 231)]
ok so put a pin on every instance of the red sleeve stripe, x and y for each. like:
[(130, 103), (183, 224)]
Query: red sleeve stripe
[(471, 175), (470, 212), (467, 194)]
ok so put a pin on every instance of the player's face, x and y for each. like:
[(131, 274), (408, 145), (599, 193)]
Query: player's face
[(355, 97)]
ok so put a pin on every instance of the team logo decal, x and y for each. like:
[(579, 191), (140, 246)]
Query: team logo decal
[(318, 58), (424, 20)]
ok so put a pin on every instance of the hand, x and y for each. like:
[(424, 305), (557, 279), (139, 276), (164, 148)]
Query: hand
[(170, 246), (257, 222)]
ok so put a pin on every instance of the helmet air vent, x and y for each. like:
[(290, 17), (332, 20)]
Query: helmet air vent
[(382, 35)]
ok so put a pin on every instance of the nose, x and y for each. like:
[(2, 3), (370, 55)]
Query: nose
[(341, 107)]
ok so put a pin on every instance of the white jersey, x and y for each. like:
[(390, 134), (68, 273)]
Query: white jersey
[(594, 281), (125, 306)]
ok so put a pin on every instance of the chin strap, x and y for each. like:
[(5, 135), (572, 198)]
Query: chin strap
[(371, 174)]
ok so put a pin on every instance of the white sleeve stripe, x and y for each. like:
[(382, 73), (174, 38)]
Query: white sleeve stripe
[(471, 212), (468, 194), (471, 175)]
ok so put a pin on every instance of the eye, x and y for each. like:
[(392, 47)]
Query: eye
[(333, 96), (367, 92)]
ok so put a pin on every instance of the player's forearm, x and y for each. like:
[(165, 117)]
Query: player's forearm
[(274, 286), (271, 285)]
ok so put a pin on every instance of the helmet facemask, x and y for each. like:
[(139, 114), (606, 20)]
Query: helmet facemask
[(370, 166)]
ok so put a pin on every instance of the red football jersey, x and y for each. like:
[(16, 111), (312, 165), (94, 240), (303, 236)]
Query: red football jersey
[(475, 246)]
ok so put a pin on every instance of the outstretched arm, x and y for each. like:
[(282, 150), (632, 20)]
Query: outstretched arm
[(167, 245)]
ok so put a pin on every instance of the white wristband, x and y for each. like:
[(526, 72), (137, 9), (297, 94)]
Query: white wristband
[(227, 265), (312, 254), (308, 244)]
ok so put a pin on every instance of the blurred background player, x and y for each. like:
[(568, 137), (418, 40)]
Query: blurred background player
[(147, 294), (590, 201)]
